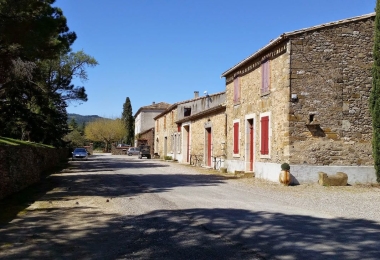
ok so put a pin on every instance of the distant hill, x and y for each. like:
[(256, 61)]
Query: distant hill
[(82, 119)]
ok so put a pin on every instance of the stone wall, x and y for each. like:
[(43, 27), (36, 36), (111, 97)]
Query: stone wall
[(331, 74), (253, 104), (166, 133), (119, 150), (216, 123), (148, 137), (22, 166)]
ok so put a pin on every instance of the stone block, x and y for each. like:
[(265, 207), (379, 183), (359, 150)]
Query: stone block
[(339, 179), (223, 170)]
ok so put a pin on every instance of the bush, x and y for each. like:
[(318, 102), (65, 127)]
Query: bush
[(285, 167), (167, 158)]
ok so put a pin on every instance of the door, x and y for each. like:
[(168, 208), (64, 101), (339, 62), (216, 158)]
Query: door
[(208, 153), (165, 146), (251, 150)]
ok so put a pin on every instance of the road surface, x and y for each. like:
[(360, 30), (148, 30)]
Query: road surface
[(121, 207)]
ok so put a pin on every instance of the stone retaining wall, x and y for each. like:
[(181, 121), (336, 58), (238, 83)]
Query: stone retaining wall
[(22, 166)]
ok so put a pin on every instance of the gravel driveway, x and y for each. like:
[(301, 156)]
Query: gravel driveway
[(119, 207)]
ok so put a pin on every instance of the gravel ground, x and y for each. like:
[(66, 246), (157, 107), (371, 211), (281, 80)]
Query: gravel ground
[(356, 201)]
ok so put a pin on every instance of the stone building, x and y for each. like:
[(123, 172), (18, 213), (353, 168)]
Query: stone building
[(303, 99), (144, 117), (192, 128)]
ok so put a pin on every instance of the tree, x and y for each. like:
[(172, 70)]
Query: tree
[(375, 94), (105, 130), (129, 122), (30, 30), (36, 71)]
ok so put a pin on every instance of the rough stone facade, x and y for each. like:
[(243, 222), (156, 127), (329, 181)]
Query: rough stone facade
[(208, 125), (174, 128), (28, 167), (331, 74), (147, 137), (317, 103), (167, 137)]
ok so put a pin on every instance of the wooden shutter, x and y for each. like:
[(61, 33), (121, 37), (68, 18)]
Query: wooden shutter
[(265, 135), (265, 80), (236, 90), (236, 138)]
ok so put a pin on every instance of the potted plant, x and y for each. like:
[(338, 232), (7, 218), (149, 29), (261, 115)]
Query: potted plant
[(284, 177)]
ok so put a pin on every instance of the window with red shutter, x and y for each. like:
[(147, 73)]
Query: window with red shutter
[(265, 79), (265, 135), (236, 90), (236, 137)]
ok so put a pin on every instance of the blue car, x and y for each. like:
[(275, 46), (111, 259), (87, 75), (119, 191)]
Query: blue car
[(80, 154)]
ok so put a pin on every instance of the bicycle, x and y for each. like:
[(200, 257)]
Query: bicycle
[(217, 163), (196, 160)]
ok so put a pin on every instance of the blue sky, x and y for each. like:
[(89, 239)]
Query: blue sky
[(164, 50)]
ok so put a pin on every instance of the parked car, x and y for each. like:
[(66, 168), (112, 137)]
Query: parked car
[(133, 151), (144, 151), (80, 154)]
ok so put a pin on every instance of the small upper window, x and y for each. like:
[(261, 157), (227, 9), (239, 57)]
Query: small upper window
[(265, 78), (187, 111), (237, 90)]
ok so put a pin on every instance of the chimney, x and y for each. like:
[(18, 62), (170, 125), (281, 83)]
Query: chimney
[(153, 103), (196, 94)]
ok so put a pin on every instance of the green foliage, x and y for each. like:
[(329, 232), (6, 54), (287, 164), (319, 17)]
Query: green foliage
[(36, 71), (129, 122), (83, 120), (106, 130), (285, 167), (167, 158), (375, 94)]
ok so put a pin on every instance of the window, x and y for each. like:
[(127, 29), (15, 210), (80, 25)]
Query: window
[(264, 121), (265, 79), (187, 111), (165, 123), (236, 137), (237, 90), (158, 125), (179, 128)]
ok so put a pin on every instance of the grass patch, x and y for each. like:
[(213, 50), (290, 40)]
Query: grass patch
[(14, 142)]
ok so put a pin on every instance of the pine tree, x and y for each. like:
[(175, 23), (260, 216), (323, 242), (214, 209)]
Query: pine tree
[(375, 94), (128, 121)]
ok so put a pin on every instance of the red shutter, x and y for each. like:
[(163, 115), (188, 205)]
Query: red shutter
[(265, 135), (236, 138), (179, 127)]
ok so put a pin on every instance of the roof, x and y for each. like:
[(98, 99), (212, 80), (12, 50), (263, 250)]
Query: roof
[(175, 105), (217, 108), (155, 106), (286, 36)]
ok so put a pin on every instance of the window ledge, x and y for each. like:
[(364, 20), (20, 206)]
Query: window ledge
[(263, 94), (236, 155), (265, 156)]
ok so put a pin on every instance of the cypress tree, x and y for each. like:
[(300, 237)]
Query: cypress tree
[(129, 121), (375, 94)]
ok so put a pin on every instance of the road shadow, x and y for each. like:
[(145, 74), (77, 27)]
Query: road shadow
[(75, 233), (100, 178)]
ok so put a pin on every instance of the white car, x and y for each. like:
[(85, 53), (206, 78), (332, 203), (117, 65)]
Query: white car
[(133, 151)]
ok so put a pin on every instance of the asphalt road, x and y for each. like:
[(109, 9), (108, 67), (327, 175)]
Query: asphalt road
[(121, 207)]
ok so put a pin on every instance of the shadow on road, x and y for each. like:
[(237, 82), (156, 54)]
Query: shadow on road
[(187, 234)]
